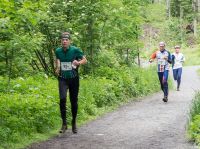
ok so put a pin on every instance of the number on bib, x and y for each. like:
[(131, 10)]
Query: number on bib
[(66, 66)]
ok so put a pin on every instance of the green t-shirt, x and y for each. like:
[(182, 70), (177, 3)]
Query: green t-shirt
[(66, 58)]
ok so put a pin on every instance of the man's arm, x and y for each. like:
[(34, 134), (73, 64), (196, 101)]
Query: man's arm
[(169, 58), (83, 61), (57, 67), (80, 62), (173, 60), (183, 59), (153, 56)]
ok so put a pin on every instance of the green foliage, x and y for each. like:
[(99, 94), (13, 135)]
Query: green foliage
[(194, 125), (27, 108), (154, 14), (195, 109), (32, 26), (194, 129), (18, 35), (104, 30), (30, 106), (174, 32), (113, 25), (192, 55), (182, 5)]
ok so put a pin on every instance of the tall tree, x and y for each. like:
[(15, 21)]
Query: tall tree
[(18, 35), (168, 8)]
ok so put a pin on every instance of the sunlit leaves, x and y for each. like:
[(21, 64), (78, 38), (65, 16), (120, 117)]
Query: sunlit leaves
[(94, 24), (182, 5)]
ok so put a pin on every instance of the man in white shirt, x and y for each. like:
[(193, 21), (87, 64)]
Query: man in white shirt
[(177, 64)]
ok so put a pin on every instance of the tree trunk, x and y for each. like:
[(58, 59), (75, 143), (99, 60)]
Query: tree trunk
[(195, 27), (181, 22), (195, 9), (139, 64), (127, 55), (6, 58), (168, 9), (10, 69), (198, 8)]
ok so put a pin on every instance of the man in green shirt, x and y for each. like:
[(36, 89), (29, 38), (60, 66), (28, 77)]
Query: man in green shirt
[(68, 59)]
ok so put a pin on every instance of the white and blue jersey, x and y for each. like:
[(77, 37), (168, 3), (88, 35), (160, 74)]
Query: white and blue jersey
[(163, 59)]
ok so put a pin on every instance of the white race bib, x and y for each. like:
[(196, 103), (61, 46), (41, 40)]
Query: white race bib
[(161, 61), (66, 66)]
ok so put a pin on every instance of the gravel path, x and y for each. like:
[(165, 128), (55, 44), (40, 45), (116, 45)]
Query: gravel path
[(146, 124)]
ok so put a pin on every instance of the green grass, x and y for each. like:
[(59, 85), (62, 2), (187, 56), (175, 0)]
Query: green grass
[(192, 55), (29, 140), (194, 123)]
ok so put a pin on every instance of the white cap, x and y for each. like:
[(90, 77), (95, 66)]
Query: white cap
[(161, 44), (177, 47)]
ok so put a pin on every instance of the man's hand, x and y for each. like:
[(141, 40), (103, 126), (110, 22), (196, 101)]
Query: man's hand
[(165, 58), (76, 63), (150, 60)]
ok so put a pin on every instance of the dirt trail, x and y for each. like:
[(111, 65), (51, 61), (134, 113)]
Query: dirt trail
[(146, 124)]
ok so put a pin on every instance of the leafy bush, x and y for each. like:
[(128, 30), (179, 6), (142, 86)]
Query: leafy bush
[(30, 106), (27, 108), (194, 125)]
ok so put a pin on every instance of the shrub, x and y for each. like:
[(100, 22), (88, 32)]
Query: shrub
[(30, 105), (194, 123)]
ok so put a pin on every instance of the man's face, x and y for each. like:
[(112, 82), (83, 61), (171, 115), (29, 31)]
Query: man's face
[(65, 42), (177, 50), (162, 47)]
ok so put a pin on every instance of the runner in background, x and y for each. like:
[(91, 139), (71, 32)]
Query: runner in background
[(177, 65), (163, 61)]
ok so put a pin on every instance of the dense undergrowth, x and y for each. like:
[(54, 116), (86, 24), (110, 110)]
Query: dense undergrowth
[(29, 108), (194, 122)]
